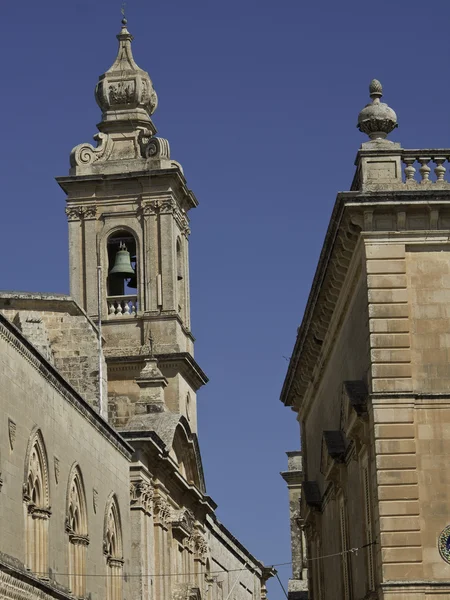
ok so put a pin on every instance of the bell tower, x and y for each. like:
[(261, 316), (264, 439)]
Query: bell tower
[(127, 207)]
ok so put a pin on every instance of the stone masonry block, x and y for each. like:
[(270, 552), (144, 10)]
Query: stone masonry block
[(385, 266), (409, 554), (390, 340), (399, 507), (386, 281), (393, 415), (392, 385), (399, 523), (401, 538), (403, 571), (388, 310), (393, 476), (395, 431), (395, 446), (389, 325), (383, 251), (399, 461), (396, 355), (398, 492), (381, 296), (391, 370)]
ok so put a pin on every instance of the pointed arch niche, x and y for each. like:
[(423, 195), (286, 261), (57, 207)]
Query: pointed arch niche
[(112, 548), (122, 273), (36, 498), (77, 530)]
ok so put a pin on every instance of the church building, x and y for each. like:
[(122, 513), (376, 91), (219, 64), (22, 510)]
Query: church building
[(369, 380), (102, 491)]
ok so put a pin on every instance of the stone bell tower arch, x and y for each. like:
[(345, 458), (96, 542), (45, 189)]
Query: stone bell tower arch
[(127, 207)]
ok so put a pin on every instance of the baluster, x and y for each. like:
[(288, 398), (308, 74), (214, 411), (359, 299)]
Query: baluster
[(111, 308), (409, 169), (126, 308), (425, 169), (133, 308), (119, 309), (440, 169)]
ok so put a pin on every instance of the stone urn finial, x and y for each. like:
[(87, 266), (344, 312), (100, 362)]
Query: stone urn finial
[(377, 119)]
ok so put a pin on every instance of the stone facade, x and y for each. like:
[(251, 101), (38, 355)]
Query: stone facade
[(102, 491), (369, 379)]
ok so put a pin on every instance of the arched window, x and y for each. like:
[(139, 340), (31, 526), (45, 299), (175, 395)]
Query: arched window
[(76, 527), (36, 497), (112, 548), (122, 281), (181, 295)]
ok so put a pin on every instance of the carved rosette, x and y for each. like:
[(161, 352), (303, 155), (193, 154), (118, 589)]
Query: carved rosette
[(141, 496)]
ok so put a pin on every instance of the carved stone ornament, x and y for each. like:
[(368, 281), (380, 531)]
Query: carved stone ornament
[(444, 544), (12, 428), (95, 499), (377, 119), (161, 509), (56, 463), (125, 86), (200, 545), (153, 147), (86, 154), (183, 520), (185, 591), (79, 213), (141, 495)]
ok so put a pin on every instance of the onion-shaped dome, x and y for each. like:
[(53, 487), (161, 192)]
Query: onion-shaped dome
[(125, 92), (377, 119)]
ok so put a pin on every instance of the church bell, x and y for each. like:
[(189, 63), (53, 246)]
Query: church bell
[(122, 264)]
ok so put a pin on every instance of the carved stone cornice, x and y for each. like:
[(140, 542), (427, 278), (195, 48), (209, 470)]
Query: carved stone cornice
[(141, 496), (404, 212)]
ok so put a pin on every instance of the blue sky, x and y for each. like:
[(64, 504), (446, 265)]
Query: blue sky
[(259, 101)]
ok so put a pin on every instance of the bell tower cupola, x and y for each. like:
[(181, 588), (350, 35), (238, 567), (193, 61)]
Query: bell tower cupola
[(127, 207)]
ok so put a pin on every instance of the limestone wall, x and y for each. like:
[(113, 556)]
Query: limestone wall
[(228, 563), (33, 396)]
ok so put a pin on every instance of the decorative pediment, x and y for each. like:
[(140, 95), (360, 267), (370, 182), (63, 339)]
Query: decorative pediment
[(183, 522), (334, 447), (353, 408)]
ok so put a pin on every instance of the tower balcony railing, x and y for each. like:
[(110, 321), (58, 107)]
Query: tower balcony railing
[(426, 166), (122, 306)]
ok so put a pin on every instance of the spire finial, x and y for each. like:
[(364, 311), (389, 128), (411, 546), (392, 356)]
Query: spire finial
[(377, 119), (122, 10), (375, 89)]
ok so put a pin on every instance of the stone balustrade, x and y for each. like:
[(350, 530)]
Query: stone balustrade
[(425, 166), (122, 306)]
